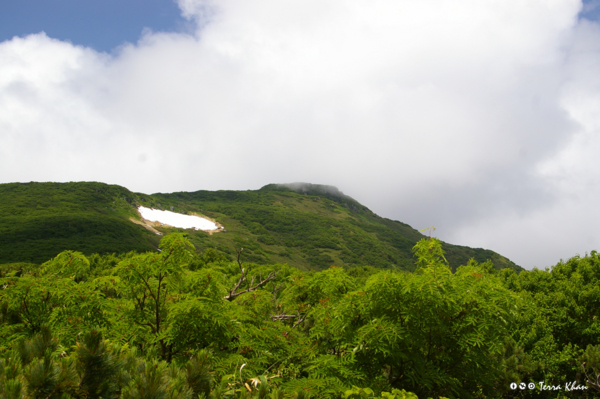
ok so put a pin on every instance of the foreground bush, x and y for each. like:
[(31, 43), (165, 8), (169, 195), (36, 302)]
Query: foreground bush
[(164, 325)]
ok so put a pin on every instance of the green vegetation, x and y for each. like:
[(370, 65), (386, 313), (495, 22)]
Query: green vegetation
[(40, 220), (306, 294), (307, 226), (185, 324)]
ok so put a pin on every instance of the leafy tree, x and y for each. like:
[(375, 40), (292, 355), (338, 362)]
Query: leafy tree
[(146, 281), (57, 296), (177, 325), (432, 331)]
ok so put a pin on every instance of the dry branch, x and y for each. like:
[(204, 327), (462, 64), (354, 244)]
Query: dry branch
[(234, 293), (283, 317)]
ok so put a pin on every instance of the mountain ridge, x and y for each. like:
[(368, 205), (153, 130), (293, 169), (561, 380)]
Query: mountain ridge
[(309, 226)]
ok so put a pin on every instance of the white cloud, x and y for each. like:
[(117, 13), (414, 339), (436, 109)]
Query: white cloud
[(471, 116)]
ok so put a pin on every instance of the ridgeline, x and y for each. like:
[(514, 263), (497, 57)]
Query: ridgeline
[(307, 226)]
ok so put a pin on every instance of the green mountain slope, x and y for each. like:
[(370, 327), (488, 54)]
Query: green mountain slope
[(40, 220), (305, 225)]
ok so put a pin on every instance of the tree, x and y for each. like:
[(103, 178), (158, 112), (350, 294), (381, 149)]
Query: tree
[(146, 280), (58, 296), (431, 332)]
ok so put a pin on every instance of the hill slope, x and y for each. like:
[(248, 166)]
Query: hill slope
[(39, 220), (305, 225)]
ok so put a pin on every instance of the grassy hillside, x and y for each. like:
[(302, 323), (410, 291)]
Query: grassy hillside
[(304, 225), (40, 220)]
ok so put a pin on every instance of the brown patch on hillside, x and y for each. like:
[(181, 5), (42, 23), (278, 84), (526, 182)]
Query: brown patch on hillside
[(147, 224)]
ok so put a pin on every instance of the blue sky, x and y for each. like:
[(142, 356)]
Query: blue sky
[(100, 24), (591, 10), (481, 118), (106, 24)]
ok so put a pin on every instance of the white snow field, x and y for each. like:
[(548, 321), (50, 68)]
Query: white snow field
[(177, 219)]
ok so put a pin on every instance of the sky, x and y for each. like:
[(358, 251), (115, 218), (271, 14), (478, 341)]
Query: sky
[(481, 118)]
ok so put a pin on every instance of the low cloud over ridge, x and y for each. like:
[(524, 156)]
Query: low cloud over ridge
[(480, 118)]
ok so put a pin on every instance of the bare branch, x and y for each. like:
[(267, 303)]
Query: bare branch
[(234, 293), (594, 384), (237, 286), (283, 317), (275, 291), (277, 288), (239, 252), (300, 320)]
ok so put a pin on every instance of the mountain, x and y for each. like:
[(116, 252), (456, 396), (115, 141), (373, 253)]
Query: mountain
[(306, 225)]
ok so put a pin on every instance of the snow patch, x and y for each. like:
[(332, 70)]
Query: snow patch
[(177, 219)]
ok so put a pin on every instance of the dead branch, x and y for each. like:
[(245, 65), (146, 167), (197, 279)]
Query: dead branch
[(283, 317), (239, 252), (593, 384), (237, 286), (234, 293), (300, 320), (275, 291)]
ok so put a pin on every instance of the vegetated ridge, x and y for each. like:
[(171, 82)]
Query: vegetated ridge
[(308, 226)]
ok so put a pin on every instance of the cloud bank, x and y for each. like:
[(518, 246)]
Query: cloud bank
[(480, 118)]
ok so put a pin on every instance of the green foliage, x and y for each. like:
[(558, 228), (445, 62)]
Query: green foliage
[(42, 377), (96, 367), (150, 381), (306, 226), (590, 366), (420, 327), (210, 256), (40, 220), (147, 280), (67, 264), (429, 253), (198, 373), (26, 305), (559, 321), (359, 393), (181, 324)]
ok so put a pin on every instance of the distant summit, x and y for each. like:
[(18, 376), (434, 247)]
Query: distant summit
[(318, 190), (306, 188)]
